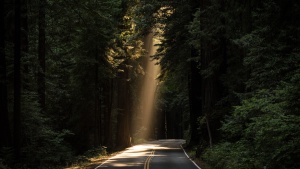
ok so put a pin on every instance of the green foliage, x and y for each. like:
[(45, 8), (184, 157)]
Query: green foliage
[(227, 155), (3, 166), (175, 48), (82, 46), (98, 151), (195, 31), (272, 46), (43, 146), (173, 97), (261, 132), (143, 16), (262, 78)]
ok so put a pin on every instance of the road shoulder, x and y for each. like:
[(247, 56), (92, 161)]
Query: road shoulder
[(196, 160), (94, 161)]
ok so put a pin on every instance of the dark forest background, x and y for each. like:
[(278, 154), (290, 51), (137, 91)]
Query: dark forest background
[(230, 79)]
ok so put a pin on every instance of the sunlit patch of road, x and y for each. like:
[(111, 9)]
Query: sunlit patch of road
[(132, 157), (155, 155)]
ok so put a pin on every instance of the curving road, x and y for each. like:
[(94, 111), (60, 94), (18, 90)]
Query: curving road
[(160, 154)]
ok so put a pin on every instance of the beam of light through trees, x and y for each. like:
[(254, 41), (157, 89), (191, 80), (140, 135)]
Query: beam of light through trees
[(145, 109)]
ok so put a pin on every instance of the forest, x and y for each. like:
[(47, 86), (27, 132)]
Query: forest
[(72, 75)]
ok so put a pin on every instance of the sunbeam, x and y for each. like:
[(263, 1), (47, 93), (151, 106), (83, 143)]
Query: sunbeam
[(147, 94)]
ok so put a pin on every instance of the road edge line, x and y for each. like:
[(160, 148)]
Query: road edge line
[(109, 159), (189, 157), (103, 163)]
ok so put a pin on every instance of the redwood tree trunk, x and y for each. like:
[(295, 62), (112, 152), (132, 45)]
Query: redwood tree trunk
[(108, 99), (97, 104), (41, 55), (17, 81), (123, 129), (24, 44), (4, 120), (194, 101)]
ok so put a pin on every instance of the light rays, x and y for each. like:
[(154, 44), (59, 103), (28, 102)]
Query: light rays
[(148, 88)]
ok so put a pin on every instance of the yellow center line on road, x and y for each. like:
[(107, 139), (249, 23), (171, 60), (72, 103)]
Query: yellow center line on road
[(147, 162)]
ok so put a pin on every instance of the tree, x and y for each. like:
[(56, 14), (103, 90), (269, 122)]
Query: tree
[(108, 102), (41, 83), (17, 81), (5, 129), (123, 128)]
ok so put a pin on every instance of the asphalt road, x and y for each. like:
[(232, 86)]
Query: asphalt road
[(160, 154)]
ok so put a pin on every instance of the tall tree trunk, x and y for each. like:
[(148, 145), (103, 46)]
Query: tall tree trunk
[(24, 43), (41, 55), (108, 99), (97, 113), (17, 81), (194, 85), (123, 129), (4, 120), (207, 83), (194, 102)]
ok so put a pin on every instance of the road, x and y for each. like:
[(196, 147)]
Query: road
[(160, 154)]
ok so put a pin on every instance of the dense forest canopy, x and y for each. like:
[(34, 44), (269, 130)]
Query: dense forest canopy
[(72, 73)]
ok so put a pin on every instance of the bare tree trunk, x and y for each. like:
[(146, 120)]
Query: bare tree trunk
[(123, 129), (24, 43), (208, 84), (194, 101), (41, 55), (108, 99), (194, 85), (97, 111), (209, 131), (17, 81), (4, 120)]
